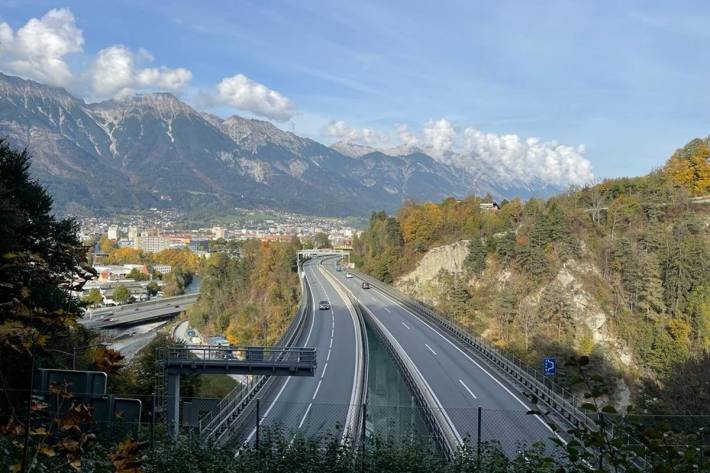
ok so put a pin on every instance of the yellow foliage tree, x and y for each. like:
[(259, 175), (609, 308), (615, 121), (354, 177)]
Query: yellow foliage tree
[(689, 167)]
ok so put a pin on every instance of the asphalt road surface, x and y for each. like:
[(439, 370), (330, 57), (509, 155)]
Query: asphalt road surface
[(321, 404), (459, 381)]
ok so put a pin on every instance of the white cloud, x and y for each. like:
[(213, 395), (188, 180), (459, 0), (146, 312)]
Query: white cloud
[(242, 93), (38, 48), (438, 137), (505, 157), (406, 137), (341, 131), (524, 159), (115, 72)]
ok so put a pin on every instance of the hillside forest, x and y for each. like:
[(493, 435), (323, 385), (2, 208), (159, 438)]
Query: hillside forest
[(618, 271)]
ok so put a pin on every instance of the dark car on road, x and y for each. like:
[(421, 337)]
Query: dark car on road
[(365, 285), (324, 305)]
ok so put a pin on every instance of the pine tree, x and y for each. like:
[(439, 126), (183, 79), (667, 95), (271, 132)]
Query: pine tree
[(458, 295), (476, 259), (650, 296), (556, 308)]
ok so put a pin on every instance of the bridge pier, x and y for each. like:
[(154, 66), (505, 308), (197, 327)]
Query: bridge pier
[(174, 403)]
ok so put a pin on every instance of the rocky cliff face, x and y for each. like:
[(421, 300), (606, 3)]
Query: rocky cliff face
[(424, 282)]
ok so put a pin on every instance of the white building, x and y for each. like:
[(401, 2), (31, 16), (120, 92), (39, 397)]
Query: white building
[(132, 233), (113, 232), (152, 244), (162, 268), (218, 232)]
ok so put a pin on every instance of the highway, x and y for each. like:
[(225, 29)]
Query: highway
[(330, 401), (458, 381), (139, 313)]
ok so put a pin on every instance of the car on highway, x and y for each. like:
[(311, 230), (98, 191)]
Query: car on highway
[(348, 275), (105, 319), (337, 268), (324, 305), (365, 285)]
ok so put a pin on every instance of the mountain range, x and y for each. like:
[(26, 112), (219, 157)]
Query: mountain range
[(154, 150)]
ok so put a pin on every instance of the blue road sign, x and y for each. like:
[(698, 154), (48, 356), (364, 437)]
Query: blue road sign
[(549, 366)]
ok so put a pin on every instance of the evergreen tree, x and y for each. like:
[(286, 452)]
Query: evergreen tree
[(476, 259), (505, 309), (505, 248), (556, 308), (41, 261), (650, 296)]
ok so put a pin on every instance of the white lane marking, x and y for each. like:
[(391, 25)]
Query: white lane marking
[(327, 358), (467, 389), (357, 375), (430, 348), (266, 414), (331, 343), (477, 364), (417, 372), (278, 395), (325, 367), (317, 389), (388, 310), (406, 325), (303, 419)]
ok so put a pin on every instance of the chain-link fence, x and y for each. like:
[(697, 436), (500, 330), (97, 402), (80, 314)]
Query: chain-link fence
[(59, 420)]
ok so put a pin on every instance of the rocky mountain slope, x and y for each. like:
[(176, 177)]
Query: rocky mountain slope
[(155, 151)]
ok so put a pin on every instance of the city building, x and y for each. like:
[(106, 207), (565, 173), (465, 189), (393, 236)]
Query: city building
[(113, 232), (218, 232), (199, 245), (162, 268), (133, 233), (152, 244)]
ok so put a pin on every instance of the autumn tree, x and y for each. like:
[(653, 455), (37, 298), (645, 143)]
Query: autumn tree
[(689, 167)]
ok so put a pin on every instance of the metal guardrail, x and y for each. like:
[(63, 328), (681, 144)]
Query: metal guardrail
[(443, 433), (217, 423), (355, 422), (557, 398)]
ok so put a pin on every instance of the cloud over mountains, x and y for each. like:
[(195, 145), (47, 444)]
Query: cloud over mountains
[(525, 159)]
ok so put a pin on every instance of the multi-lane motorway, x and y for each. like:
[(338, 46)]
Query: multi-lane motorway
[(331, 400), (139, 313), (459, 383)]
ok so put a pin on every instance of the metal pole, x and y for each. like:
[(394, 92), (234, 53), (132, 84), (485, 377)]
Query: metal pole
[(478, 437), (601, 452), (257, 422), (701, 433), (152, 421), (73, 358), (26, 450), (364, 425)]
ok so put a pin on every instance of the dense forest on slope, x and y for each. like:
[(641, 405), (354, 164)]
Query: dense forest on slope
[(619, 270), (250, 299)]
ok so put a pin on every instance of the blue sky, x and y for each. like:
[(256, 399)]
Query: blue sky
[(628, 80)]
